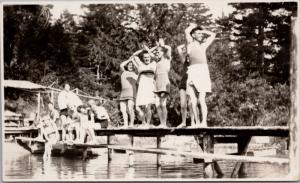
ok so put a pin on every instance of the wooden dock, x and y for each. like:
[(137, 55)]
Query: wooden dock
[(206, 137)]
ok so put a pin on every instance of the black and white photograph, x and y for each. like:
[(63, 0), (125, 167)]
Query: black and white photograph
[(150, 90)]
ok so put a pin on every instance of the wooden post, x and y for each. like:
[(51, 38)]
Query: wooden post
[(294, 84), (131, 153), (208, 147), (52, 97), (158, 156), (242, 149), (109, 150), (39, 105)]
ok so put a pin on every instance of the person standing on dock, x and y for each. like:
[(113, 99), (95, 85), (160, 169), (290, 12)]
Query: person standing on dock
[(162, 82), (145, 94), (128, 93), (198, 82), (184, 102)]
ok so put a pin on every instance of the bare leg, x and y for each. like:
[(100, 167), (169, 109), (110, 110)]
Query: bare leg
[(91, 133), (141, 114), (63, 130), (163, 101), (203, 108), (124, 113), (159, 109), (192, 116), (193, 99), (148, 114), (130, 104), (77, 130), (183, 107)]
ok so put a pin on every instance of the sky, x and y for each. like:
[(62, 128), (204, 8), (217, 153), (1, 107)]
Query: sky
[(216, 7)]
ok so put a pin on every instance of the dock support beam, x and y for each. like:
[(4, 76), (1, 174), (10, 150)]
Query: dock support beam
[(242, 149), (208, 147), (158, 156), (131, 153), (109, 150)]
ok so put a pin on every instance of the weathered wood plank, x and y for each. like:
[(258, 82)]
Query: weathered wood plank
[(216, 157), (280, 131)]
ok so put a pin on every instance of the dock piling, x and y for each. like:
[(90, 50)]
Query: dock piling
[(243, 143), (131, 153), (109, 150), (208, 147), (158, 156)]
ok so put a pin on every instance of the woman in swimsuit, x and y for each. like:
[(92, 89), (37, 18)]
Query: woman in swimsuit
[(162, 82), (128, 93), (145, 93)]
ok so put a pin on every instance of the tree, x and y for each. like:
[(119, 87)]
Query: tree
[(260, 32)]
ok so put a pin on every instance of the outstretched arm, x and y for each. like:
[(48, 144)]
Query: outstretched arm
[(136, 61), (150, 51), (137, 52), (162, 44), (187, 32), (210, 39)]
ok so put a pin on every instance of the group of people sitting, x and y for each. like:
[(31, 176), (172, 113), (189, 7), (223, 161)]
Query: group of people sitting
[(145, 80), (72, 117)]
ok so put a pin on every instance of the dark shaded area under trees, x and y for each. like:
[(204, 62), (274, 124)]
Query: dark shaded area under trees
[(249, 60)]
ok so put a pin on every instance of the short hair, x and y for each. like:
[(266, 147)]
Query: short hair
[(126, 66), (195, 29), (144, 52)]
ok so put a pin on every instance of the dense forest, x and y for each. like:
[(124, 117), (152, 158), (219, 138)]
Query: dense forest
[(249, 60)]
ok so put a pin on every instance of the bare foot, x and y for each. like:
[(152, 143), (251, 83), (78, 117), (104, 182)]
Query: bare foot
[(204, 124), (181, 125), (161, 126)]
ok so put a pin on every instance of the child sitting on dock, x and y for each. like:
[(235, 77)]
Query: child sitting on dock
[(86, 125), (74, 124), (50, 133), (101, 117)]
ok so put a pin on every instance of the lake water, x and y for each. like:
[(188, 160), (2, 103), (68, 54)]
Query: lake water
[(20, 164)]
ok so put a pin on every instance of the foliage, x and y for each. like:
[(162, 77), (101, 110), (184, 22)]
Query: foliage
[(261, 33), (249, 88)]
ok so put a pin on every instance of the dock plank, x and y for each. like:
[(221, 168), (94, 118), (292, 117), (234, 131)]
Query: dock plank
[(216, 157), (278, 131)]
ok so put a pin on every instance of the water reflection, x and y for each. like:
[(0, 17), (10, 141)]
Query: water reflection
[(19, 164)]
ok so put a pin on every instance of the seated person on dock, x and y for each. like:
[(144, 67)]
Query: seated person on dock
[(54, 115), (66, 100), (100, 114), (50, 133), (86, 126), (74, 124)]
